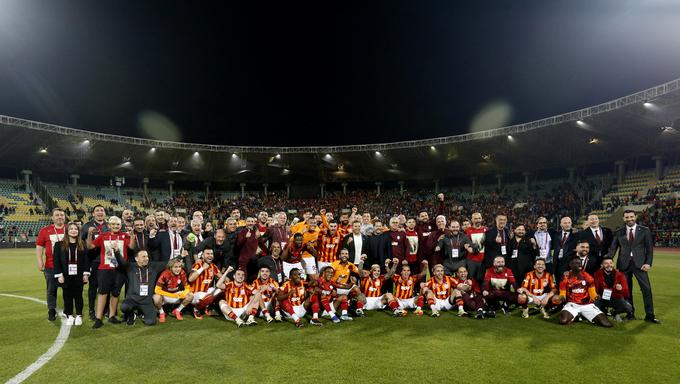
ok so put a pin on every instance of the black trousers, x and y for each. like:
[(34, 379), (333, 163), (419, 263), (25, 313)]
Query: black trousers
[(451, 265), (619, 306), (72, 292), (642, 278), (145, 306), (92, 289), (476, 270)]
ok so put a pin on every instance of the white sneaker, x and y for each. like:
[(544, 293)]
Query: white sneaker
[(461, 312), (78, 320), (278, 318), (544, 313), (251, 320), (239, 322), (269, 318), (525, 313), (435, 313), (70, 320)]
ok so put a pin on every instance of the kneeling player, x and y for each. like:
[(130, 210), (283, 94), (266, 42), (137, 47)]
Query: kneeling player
[(403, 289), (372, 284), (345, 277), (239, 300), (538, 288), (577, 289), (268, 288), (172, 288), (202, 279), (468, 295), (329, 297), (295, 300), (438, 291), (500, 286)]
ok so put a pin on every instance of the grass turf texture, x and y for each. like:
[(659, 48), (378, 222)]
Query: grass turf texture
[(376, 349)]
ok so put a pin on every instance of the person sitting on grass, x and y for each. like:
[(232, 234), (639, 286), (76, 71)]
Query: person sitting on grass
[(239, 299), (538, 288), (577, 291), (172, 287)]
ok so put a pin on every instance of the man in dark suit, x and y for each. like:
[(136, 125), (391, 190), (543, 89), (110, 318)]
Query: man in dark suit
[(496, 241), (356, 243), (636, 246), (168, 242), (564, 247), (379, 247), (599, 238)]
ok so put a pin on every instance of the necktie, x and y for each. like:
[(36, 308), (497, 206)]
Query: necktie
[(597, 236), (174, 241), (565, 235), (631, 236)]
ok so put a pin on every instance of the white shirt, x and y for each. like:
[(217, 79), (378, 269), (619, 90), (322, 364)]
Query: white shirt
[(358, 243), (599, 232)]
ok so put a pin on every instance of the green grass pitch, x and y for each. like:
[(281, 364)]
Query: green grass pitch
[(376, 349)]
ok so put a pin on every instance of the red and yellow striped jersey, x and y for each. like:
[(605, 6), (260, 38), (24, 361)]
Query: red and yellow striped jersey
[(206, 279), (296, 292), (344, 230), (442, 290), (342, 271), (403, 288), (538, 285), (237, 296), (308, 237), (267, 288), (327, 247), (372, 287)]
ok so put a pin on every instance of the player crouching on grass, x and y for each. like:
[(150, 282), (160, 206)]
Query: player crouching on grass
[(438, 291), (468, 294), (268, 288), (403, 288), (295, 299), (345, 277), (328, 296), (139, 275), (577, 289), (372, 283), (239, 299), (500, 286), (172, 288), (538, 288), (202, 279)]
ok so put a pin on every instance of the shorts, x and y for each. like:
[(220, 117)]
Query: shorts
[(239, 312), (589, 311), (299, 310), (174, 300), (407, 303), (198, 296), (443, 305), (343, 291), (109, 281), (374, 303), (310, 265), (287, 267), (531, 299)]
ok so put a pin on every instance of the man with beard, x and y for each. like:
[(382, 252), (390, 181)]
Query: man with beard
[(44, 246), (468, 295), (246, 246), (161, 220), (398, 242), (222, 250), (522, 250), (261, 225), (577, 291), (565, 248), (612, 289), (412, 243), (202, 281), (141, 235), (100, 226), (454, 247), (500, 286), (273, 262), (544, 240), (599, 240), (475, 259), (277, 232), (429, 232), (128, 220), (328, 245), (496, 241), (236, 215), (191, 240)]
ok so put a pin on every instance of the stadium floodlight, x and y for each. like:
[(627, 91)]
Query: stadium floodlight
[(432, 147), (285, 171), (278, 156), (594, 140), (234, 155), (196, 154), (377, 153), (85, 142), (43, 150), (126, 159), (328, 156), (580, 122), (511, 138), (152, 150), (648, 104)]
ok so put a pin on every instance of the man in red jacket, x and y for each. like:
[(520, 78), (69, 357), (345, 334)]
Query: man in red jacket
[(612, 289)]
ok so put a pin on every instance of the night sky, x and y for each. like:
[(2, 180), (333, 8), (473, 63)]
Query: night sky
[(324, 72)]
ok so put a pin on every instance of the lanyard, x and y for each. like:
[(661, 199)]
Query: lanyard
[(457, 242), (70, 260), (142, 282), (142, 247), (545, 242)]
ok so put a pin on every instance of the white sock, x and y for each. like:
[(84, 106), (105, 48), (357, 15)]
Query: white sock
[(344, 312), (315, 316), (161, 310), (296, 318), (181, 307), (460, 307)]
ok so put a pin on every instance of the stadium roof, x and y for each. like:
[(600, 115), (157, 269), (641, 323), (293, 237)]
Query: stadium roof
[(640, 124)]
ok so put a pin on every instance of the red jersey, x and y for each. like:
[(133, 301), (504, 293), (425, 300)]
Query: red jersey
[(399, 244), (327, 247), (372, 287), (403, 288), (474, 286), (296, 292), (327, 288), (412, 246), (205, 280), (579, 289), (294, 254), (169, 282), (47, 237), (476, 235), (267, 288), (503, 280), (442, 290), (106, 254), (237, 296), (538, 286)]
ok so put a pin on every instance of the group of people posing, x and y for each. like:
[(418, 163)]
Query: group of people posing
[(271, 269)]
